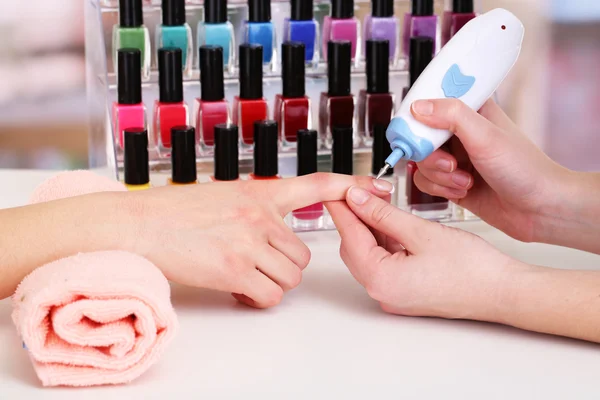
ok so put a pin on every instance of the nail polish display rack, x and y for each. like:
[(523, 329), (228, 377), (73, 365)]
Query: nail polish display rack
[(106, 156)]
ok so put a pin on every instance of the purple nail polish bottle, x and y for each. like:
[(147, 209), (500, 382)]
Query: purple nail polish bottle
[(382, 25), (420, 22), (341, 26)]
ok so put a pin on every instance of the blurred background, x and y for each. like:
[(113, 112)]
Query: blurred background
[(553, 94)]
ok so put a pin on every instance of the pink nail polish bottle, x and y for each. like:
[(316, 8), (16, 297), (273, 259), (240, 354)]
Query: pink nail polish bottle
[(129, 110), (341, 25), (420, 22), (310, 217)]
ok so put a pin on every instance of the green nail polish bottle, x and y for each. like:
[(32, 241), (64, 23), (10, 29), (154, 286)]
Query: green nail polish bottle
[(131, 33)]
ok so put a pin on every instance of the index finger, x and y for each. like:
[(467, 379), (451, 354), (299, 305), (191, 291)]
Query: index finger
[(295, 193)]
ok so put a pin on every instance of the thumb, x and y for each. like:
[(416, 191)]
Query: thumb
[(477, 134), (410, 231)]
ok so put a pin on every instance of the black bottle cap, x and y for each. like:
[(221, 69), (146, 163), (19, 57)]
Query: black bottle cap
[(339, 66), (131, 13), (215, 11), (293, 69), (183, 154), (170, 75), (251, 71), (463, 6), (137, 171), (381, 150), (382, 8), (211, 73), (173, 12), (265, 149), (422, 8), (259, 10), (378, 66), (421, 54), (302, 10), (129, 80), (307, 145), (226, 152), (342, 151), (342, 9)]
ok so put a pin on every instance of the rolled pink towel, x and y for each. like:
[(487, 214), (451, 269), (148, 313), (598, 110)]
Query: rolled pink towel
[(74, 183), (94, 319)]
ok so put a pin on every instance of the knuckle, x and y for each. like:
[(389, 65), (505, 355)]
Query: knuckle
[(295, 279), (274, 298), (381, 213), (304, 257), (376, 287)]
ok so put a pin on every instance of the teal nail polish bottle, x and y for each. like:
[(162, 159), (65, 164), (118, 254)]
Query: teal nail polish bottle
[(216, 30), (132, 34), (175, 32)]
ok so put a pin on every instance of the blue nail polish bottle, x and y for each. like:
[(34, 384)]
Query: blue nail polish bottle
[(216, 30), (175, 32), (302, 27), (259, 29)]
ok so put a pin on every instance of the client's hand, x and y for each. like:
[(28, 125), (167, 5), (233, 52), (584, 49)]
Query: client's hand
[(419, 268), (515, 187), (231, 236)]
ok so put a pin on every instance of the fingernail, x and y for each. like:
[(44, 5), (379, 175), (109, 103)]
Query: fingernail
[(461, 179), (358, 196), (383, 186), (423, 107), (458, 194), (445, 165)]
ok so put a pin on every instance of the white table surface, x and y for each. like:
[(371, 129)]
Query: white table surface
[(329, 340)]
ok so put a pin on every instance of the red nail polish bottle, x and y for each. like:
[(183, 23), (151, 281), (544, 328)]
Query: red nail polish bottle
[(292, 107), (170, 109), (462, 12), (376, 103), (183, 156), (211, 108), (342, 156), (250, 106), (311, 217), (336, 107), (266, 162), (129, 110), (226, 153)]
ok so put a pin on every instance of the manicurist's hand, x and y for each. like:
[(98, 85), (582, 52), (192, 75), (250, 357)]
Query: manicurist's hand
[(415, 267), (231, 236), (515, 186)]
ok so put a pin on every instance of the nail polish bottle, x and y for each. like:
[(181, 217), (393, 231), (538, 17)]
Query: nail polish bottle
[(259, 30), (137, 170), (341, 25), (266, 161), (183, 156), (128, 111), (292, 106), (422, 204), (336, 106), (381, 151), (169, 110), (226, 153), (211, 108), (376, 103), (342, 157), (216, 30), (302, 27), (132, 34), (382, 24), (175, 32), (420, 22), (250, 106), (311, 217), (453, 20)]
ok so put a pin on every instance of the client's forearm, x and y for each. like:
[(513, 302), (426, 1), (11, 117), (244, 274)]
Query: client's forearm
[(34, 235), (574, 218), (556, 302)]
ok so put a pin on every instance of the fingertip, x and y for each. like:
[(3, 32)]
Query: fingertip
[(357, 196)]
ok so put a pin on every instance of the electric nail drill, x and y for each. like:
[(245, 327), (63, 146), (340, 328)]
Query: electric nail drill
[(470, 67)]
